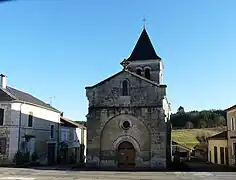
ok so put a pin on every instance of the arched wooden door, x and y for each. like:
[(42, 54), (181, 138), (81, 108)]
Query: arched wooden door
[(126, 155)]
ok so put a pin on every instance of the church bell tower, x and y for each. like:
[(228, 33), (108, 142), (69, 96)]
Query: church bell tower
[(144, 60)]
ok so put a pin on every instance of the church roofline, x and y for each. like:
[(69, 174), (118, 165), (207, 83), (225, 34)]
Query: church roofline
[(134, 74)]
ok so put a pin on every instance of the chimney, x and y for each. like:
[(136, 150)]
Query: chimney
[(3, 81)]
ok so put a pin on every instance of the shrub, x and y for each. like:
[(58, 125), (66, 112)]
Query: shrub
[(21, 158), (34, 157)]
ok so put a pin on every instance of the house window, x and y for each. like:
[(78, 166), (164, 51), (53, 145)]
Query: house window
[(139, 71), (3, 145), (232, 124), (147, 73), (1, 116), (125, 88), (30, 120), (52, 131)]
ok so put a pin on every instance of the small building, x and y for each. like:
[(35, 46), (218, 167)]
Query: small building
[(189, 125), (27, 125), (231, 127), (218, 149), (181, 151), (72, 142)]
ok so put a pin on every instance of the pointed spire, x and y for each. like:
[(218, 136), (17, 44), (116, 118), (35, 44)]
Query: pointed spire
[(143, 49)]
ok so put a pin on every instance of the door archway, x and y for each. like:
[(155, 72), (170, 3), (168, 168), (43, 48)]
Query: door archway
[(126, 155)]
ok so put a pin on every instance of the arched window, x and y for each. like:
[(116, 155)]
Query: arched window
[(138, 71), (147, 73), (125, 88)]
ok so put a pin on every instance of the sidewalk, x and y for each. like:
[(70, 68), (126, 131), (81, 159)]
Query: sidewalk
[(199, 166), (56, 167)]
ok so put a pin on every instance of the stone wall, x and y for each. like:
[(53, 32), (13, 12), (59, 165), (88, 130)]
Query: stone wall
[(5, 131), (155, 67), (142, 93), (143, 107)]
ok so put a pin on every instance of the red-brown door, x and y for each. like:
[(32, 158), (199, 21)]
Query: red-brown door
[(126, 155)]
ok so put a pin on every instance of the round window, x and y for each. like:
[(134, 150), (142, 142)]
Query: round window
[(126, 125)]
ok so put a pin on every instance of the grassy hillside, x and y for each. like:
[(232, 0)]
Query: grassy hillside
[(188, 138)]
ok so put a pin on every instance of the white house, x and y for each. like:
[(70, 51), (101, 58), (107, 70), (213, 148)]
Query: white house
[(26, 124), (72, 141)]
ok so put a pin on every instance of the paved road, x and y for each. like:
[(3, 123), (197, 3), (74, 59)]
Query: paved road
[(199, 166), (36, 174)]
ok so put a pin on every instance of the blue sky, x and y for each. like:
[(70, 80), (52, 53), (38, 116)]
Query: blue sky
[(57, 47)]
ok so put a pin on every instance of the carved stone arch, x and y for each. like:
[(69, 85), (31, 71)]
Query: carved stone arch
[(139, 70), (130, 139), (139, 132), (147, 67), (129, 114)]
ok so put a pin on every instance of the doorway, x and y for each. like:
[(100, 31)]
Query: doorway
[(215, 155), (227, 156), (234, 152), (51, 153), (222, 155), (126, 155)]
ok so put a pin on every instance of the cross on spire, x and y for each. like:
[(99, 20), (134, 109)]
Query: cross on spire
[(144, 22)]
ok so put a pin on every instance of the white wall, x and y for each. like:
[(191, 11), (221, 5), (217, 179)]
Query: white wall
[(37, 112), (166, 107), (78, 134), (85, 142), (42, 119)]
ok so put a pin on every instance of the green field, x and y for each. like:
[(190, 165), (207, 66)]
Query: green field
[(187, 137)]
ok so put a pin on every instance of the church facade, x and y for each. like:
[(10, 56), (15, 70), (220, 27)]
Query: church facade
[(128, 115)]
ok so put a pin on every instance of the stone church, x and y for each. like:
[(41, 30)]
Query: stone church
[(128, 115)]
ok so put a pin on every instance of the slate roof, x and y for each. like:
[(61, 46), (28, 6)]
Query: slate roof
[(133, 74), (221, 136), (143, 49), (23, 96)]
